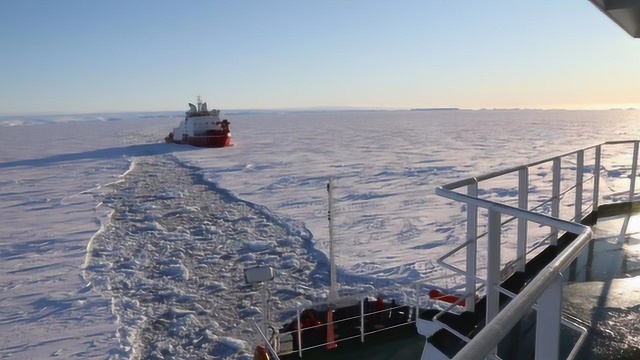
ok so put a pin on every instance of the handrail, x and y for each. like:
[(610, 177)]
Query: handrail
[(362, 315), (494, 331), (266, 341), (468, 181), (513, 211), (503, 209), (582, 329), (500, 323), (489, 337)]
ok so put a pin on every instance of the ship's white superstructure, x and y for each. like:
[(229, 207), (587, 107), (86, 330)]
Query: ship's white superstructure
[(201, 127)]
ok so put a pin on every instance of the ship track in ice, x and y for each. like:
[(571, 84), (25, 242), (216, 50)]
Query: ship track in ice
[(171, 258)]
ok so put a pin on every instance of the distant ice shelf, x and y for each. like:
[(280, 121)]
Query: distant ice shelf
[(435, 109)]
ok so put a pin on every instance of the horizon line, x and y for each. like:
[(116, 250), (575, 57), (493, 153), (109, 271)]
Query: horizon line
[(321, 109)]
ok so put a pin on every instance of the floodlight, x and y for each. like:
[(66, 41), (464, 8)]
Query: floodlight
[(258, 274)]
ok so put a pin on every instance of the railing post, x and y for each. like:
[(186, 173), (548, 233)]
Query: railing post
[(299, 334), (362, 320), (418, 302), (265, 309), (472, 248), (523, 203), (493, 267), (596, 178), (634, 171), (264, 339), (549, 314), (579, 185), (579, 200), (555, 199)]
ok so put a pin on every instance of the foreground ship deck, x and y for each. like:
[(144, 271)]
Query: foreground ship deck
[(602, 286), (571, 290), (601, 291), (599, 298), (574, 248)]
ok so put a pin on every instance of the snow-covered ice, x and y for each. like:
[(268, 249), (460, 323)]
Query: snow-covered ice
[(113, 245)]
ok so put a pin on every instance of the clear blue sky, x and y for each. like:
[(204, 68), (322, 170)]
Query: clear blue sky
[(103, 56)]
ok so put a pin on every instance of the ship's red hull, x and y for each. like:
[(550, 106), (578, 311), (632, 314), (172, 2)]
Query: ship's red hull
[(213, 141)]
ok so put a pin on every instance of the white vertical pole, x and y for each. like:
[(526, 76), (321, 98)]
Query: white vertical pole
[(596, 178), (472, 248), (493, 267), (333, 290), (555, 200), (579, 185), (299, 334), (265, 310), (549, 314), (523, 203), (634, 172), (362, 320)]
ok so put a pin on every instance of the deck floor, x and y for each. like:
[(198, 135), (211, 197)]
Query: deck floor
[(603, 289)]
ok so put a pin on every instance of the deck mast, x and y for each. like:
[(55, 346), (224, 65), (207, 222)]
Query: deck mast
[(199, 102), (333, 291)]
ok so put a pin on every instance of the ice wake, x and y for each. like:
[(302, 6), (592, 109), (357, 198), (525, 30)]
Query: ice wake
[(171, 259), (171, 255)]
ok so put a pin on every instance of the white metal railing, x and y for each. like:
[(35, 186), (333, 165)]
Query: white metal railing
[(266, 341), (544, 292), (363, 318)]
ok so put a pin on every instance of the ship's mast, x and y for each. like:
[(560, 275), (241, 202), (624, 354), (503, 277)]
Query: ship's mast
[(199, 102), (333, 290)]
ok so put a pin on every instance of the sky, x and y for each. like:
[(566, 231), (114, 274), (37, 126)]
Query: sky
[(105, 229), (112, 56)]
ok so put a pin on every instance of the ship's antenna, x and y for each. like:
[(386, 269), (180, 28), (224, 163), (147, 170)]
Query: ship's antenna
[(333, 291)]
